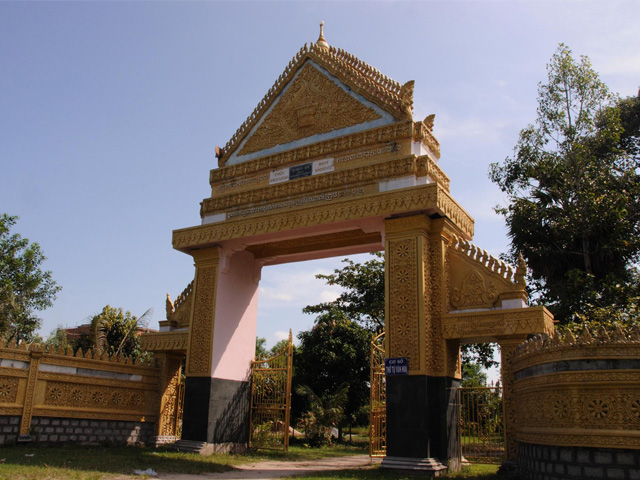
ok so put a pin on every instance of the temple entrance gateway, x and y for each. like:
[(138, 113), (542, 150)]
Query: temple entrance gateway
[(331, 162)]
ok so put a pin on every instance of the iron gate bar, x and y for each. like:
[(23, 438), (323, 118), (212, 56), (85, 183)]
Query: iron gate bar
[(481, 428), (378, 400), (271, 400)]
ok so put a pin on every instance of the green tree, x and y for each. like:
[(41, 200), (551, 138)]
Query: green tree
[(24, 287), (334, 353), (116, 332), (325, 413), (473, 376), (574, 193), (363, 297), (261, 350), (278, 347), (57, 339)]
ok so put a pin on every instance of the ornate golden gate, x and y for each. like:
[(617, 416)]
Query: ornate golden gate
[(271, 400), (378, 402), (481, 425)]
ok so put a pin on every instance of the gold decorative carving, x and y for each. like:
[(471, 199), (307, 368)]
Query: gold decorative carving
[(316, 183), (423, 133), (201, 330), (113, 365), (564, 405), (180, 310), (61, 394), (598, 408), (169, 381), (474, 292), (295, 203), (583, 438), (96, 388), (312, 104), (25, 422), (479, 280), (315, 243), (406, 98), (497, 323), (8, 390), (12, 353), (77, 412), (509, 400), (329, 148), (362, 78), (442, 361), (10, 410), (165, 341), (403, 319), (427, 167), (481, 257), (146, 383), (430, 197), (547, 348)]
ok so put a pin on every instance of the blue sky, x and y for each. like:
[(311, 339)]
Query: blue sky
[(110, 113)]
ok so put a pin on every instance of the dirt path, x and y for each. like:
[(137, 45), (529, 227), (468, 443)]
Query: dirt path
[(277, 469)]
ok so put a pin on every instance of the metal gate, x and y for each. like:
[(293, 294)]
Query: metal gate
[(271, 400), (481, 425), (378, 402)]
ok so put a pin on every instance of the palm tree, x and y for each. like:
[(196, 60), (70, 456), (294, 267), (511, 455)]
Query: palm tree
[(324, 413), (114, 331)]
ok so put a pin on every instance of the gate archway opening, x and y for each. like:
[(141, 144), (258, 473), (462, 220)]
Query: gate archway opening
[(480, 400)]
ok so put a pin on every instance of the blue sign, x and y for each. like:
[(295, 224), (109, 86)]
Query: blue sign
[(396, 366)]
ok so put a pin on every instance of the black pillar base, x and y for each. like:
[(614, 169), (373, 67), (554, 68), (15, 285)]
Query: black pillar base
[(422, 419), (216, 411)]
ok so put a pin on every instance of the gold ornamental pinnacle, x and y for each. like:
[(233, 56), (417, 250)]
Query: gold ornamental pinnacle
[(321, 41)]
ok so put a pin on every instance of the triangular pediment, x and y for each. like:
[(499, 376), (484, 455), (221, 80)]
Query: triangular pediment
[(312, 104), (323, 93)]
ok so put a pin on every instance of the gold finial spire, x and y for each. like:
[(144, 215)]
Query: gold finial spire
[(321, 41)]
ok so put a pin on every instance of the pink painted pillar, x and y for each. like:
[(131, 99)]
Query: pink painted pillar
[(221, 347)]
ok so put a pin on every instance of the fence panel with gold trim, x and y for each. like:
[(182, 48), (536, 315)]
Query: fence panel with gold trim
[(47, 394)]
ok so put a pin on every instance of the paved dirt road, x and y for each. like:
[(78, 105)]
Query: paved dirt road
[(277, 469)]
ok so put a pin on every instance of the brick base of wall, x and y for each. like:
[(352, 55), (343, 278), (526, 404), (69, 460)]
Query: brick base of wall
[(9, 428), (67, 430), (545, 462)]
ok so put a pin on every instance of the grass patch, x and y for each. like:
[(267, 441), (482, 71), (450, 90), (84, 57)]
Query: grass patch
[(92, 463), (298, 451), (77, 462)]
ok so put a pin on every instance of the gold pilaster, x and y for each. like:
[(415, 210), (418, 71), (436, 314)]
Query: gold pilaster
[(203, 312), (27, 412), (407, 280), (169, 381)]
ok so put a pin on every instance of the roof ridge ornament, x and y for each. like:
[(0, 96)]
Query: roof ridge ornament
[(321, 42)]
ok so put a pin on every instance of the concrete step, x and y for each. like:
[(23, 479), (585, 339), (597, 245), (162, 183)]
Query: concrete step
[(193, 446)]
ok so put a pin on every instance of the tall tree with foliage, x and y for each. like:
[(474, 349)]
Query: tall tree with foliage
[(574, 193), (24, 287), (363, 297), (334, 353)]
